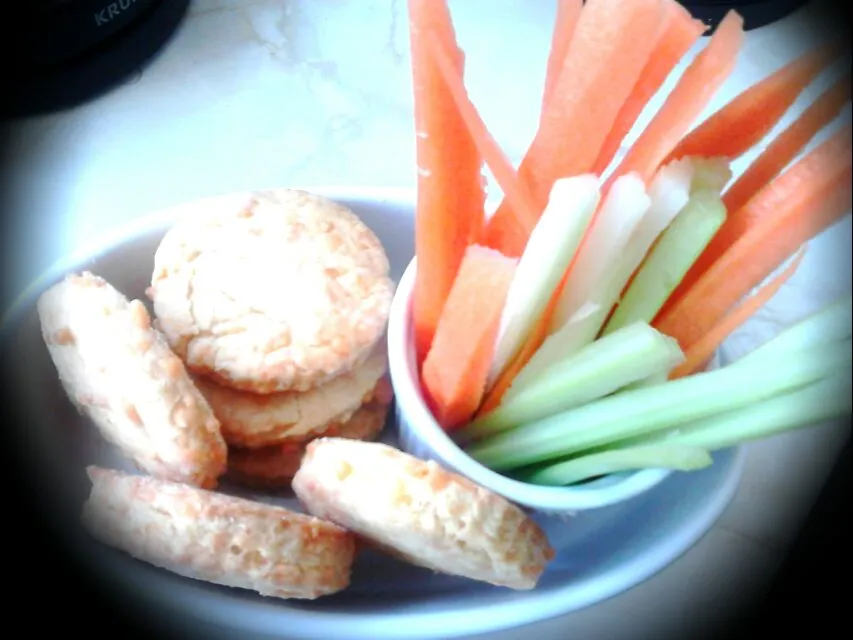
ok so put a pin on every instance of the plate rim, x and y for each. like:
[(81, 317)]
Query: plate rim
[(161, 217)]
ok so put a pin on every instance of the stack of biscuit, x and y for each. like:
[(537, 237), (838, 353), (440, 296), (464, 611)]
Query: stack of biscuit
[(266, 364), (278, 307)]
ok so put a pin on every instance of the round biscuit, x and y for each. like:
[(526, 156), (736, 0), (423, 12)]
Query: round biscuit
[(253, 420), (225, 540), (120, 373), (274, 467), (282, 294), (422, 513)]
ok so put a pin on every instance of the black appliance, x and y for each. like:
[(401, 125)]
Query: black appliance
[(68, 51)]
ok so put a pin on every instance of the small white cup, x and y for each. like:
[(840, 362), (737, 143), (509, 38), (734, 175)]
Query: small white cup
[(422, 436)]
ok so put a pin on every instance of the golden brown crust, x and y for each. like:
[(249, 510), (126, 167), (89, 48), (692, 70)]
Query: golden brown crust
[(421, 512), (217, 538), (282, 294), (252, 420), (274, 467), (120, 372)]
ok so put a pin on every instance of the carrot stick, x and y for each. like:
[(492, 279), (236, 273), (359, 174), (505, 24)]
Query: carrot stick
[(679, 31), (450, 196), (568, 12), (500, 165), (746, 119), (789, 190), (607, 52), (785, 147), (701, 352), (455, 369), (694, 90), (814, 202)]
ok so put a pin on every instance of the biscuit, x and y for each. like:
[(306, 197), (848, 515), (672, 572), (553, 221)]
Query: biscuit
[(274, 467), (120, 373), (216, 538), (252, 420), (282, 294), (421, 513)]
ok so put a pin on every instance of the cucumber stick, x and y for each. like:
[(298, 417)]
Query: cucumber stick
[(619, 213), (548, 253)]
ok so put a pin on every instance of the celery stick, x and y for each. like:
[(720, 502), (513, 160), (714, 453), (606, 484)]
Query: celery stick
[(550, 249), (678, 248), (553, 350), (602, 367), (568, 341), (833, 322), (633, 413), (826, 399), (710, 173), (619, 214), (650, 381), (662, 456)]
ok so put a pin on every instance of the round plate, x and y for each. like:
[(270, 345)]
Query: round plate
[(599, 553)]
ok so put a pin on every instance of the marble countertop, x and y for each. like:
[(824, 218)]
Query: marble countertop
[(259, 93)]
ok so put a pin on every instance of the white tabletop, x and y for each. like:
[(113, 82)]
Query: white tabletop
[(262, 93)]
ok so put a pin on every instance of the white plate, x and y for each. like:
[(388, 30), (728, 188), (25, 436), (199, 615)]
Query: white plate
[(599, 553)]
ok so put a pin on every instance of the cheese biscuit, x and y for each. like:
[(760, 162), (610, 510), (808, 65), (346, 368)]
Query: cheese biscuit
[(216, 538), (251, 420), (421, 512), (274, 467), (284, 293), (120, 372)]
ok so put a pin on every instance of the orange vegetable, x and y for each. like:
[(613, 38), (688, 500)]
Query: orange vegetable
[(457, 365), (450, 196), (785, 147), (607, 52), (691, 94), (568, 12), (701, 353), (790, 190), (504, 172), (808, 198), (743, 122), (678, 32)]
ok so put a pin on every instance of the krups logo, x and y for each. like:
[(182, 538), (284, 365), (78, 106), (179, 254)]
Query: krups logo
[(111, 11)]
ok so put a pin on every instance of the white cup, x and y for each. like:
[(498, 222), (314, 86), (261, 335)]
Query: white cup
[(422, 436)]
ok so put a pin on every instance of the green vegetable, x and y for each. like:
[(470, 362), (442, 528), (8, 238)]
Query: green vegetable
[(669, 192), (557, 347), (832, 323), (548, 253), (678, 248), (652, 380), (663, 456), (826, 399), (600, 368), (637, 412), (710, 173)]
